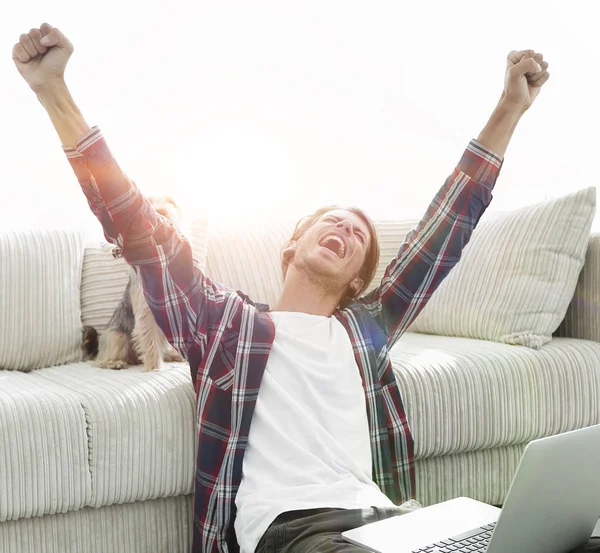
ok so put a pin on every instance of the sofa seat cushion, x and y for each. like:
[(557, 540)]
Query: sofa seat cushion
[(463, 394), (75, 435), (43, 447), (159, 526), (141, 429)]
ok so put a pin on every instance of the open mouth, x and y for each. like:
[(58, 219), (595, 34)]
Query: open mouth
[(335, 244)]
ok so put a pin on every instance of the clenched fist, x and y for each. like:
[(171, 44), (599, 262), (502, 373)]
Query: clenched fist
[(526, 73), (41, 56)]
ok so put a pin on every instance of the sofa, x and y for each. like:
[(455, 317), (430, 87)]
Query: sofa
[(95, 460)]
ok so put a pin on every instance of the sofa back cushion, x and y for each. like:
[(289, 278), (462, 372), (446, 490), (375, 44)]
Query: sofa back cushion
[(249, 258), (582, 320), (391, 235), (517, 275), (40, 314), (104, 277)]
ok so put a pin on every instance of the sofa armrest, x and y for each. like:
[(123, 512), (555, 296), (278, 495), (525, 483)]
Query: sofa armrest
[(582, 319)]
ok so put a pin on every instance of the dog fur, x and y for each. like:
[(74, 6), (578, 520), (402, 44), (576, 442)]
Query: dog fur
[(132, 336)]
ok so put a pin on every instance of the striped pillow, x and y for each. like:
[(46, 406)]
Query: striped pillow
[(40, 316), (517, 275), (103, 283)]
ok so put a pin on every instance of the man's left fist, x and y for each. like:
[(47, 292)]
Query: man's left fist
[(526, 73)]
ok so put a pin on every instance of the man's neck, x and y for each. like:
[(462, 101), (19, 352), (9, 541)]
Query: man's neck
[(301, 295)]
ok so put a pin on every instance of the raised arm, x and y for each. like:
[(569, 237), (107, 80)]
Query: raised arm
[(181, 298), (435, 246)]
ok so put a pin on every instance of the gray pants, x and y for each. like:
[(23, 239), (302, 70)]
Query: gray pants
[(319, 531)]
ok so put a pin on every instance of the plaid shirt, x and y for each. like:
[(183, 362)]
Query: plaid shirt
[(227, 338)]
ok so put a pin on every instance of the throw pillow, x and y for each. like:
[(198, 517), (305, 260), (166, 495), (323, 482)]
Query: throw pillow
[(517, 275)]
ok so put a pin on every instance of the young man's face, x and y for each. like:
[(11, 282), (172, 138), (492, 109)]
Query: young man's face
[(333, 250)]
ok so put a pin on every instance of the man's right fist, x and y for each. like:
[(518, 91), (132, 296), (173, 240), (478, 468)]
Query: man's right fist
[(41, 56)]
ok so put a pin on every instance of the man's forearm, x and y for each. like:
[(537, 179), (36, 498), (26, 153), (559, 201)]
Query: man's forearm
[(499, 130), (64, 114)]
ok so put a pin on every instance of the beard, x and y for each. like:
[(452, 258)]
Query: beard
[(318, 273)]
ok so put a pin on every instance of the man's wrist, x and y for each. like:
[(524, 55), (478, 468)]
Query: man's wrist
[(53, 94), (497, 133), (509, 109)]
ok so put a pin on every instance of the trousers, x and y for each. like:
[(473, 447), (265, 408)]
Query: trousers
[(319, 531)]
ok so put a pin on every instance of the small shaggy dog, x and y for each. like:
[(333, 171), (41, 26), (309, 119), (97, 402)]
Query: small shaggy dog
[(132, 336)]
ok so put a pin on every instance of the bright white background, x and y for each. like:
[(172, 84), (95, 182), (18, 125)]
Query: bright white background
[(270, 109)]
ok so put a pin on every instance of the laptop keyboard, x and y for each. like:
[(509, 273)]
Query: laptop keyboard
[(474, 540)]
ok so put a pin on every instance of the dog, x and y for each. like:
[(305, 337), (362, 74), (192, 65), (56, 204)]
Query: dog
[(132, 336)]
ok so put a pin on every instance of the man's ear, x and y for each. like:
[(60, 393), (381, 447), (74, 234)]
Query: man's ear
[(289, 252), (355, 286)]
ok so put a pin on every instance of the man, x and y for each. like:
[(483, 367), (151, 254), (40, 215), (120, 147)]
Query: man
[(325, 446)]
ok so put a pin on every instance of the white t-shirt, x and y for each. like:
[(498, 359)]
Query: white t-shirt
[(309, 444)]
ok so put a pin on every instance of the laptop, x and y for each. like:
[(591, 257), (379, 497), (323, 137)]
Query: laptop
[(552, 506)]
